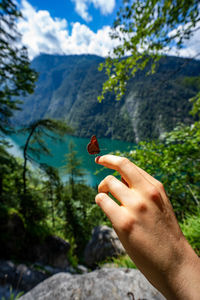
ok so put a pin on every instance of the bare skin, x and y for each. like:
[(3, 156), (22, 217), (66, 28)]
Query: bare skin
[(147, 227)]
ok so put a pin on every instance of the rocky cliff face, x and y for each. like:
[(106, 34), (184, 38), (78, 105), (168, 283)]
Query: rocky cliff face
[(68, 87)]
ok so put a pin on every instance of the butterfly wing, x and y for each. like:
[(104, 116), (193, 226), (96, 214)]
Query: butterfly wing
[(93, 146)]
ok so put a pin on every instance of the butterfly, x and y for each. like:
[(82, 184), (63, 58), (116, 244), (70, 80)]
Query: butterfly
[(93, 146)]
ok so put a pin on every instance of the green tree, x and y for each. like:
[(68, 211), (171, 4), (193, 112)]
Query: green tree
[(53, 189), (33, 148), (35, 143), (73, 167), (10, 179), (81, 212), (74, 171), (146, 29), (82, 215), (16, 77)]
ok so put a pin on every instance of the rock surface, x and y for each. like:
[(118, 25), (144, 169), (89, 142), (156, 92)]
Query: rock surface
[(53, 251), (23, 278), (20, 276), (103, 244), (111, 284)]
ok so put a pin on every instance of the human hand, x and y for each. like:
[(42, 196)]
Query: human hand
[(147, 227)]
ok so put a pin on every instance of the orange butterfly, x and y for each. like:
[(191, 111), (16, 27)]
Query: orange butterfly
[(93, 146)]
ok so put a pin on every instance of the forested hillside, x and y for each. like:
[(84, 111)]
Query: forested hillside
[(68, 87)]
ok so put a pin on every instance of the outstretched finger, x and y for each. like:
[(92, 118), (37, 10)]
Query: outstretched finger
[(109, 207), (127, 169), (119, 190)]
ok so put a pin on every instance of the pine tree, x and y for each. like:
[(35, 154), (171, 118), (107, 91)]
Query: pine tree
[(16, 76)]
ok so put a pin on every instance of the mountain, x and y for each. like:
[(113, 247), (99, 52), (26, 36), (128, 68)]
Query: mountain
[(68, 87)]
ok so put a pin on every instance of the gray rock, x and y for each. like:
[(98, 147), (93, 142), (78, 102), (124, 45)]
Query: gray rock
[(23, 278), (103, 244), (82, 269), (53, 251), (20, 277), (111, 284)]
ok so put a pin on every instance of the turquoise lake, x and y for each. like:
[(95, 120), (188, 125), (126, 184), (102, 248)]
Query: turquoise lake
[(93, 175)]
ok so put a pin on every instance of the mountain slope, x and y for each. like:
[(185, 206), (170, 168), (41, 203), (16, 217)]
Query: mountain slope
[(68, 87)]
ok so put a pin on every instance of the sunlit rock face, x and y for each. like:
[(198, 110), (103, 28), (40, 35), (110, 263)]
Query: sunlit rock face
[(112, 284)]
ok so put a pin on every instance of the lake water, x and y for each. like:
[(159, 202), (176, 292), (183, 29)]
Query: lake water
[(59, 149)]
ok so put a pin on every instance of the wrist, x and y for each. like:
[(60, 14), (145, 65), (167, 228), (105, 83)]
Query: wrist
[(184, 277)]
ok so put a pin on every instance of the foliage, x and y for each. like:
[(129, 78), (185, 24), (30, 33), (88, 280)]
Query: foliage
[(31, 203), (145, 29), (79, 203), (48, 206), (35, 144), (81, 213), (175, 162), (123, 261), (191, 229), (13, 295), (71, 202), (16, 77), (72, 167), (30, 197), (10, 179), (32, 207), (53, 129), (54, 190), (71, 255)]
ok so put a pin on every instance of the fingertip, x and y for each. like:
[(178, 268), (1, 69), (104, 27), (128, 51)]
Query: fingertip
[(97, 159), (99, 198), (104, 159), (109, 207)]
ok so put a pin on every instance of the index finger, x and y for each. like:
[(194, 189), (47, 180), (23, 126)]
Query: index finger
[(127, 169)]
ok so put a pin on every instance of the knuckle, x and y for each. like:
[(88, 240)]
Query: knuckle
[(124, 162), (99, 187), (141, 207), (154, 193), (127, 224), (106, 183), (109, 179), (160, 186)]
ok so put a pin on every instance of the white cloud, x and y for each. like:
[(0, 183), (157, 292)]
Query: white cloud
[(43, 34), (81, 6), (191, 47)]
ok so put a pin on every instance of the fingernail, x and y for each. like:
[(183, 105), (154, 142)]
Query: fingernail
[(97, 159)]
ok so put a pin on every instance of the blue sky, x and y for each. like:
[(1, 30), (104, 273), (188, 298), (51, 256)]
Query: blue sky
[(67, 26), (76, 27), (68, 9)]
